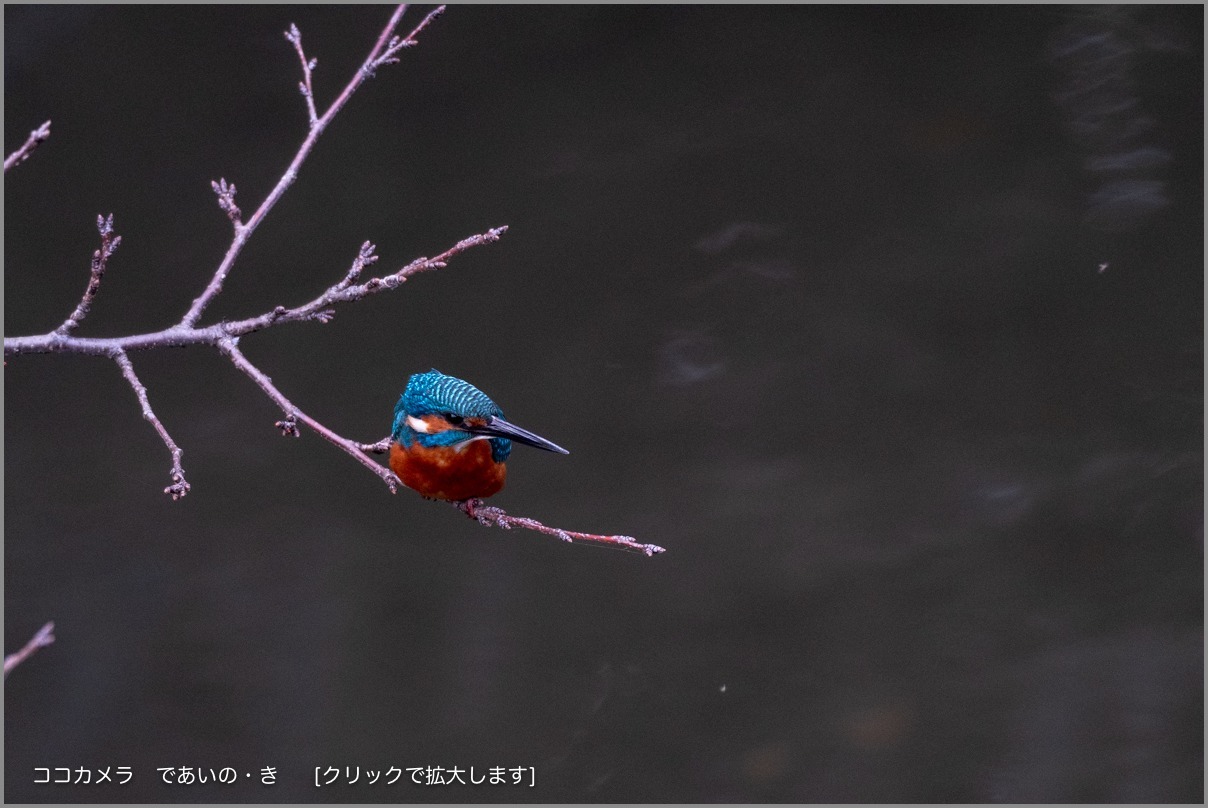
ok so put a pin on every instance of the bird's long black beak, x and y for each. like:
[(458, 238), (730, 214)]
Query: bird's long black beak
[(496, 427)]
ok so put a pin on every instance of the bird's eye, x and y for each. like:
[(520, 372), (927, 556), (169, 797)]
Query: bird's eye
[(454, 418)]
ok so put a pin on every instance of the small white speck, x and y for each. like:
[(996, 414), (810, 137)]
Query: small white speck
[(721, 689), (1103, 267)]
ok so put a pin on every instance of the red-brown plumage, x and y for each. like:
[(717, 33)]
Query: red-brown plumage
[(449, 472)]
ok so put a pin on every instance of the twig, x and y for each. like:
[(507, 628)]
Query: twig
[(289, 424), (308, 66), (43, 638), (22, 154), (180, 486), (381, 447), (100, 259), (344, 291), (244, 230), (316, 310), (497, 517), (483, 514), (225, 335), (395, 45)]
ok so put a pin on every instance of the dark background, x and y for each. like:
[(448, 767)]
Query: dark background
[(815, 298)]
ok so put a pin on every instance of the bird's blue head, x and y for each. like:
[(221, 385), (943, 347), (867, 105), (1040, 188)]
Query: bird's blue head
[(439, 410)]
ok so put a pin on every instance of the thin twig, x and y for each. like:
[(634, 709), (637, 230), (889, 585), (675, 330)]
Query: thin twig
[(243, 231), (381, 447), (100, 259), (344, 292), (396, 44), (365, 257), (22, 154), (497, 517), (180, 486), (308, 66), (225, 335), (318, 309), (43, 638), (289, 424)]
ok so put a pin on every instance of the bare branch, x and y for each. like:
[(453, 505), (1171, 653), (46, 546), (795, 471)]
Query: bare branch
[(395, 45), (100, 259), (381, 447), (308, 66), (366, 257), (22, 154), (225, 336), (291, 173), (497, 517), (384, 40), (43, 638), (288, 425), (344, 291), (179, 336), (180, 486)]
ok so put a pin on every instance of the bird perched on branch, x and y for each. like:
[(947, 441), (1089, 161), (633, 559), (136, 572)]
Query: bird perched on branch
[(450, 440)]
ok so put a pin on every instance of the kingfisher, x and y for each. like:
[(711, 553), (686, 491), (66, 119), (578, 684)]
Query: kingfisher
[(450, 440)]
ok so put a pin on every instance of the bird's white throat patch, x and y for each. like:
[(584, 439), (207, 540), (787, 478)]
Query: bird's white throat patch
[(418, 425)]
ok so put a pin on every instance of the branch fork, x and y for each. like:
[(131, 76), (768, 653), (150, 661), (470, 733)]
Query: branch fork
[(225, 336)]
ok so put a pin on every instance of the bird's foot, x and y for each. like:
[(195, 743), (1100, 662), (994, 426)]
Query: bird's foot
[(470, 507)]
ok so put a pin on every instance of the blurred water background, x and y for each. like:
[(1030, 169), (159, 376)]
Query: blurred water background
[(886, 322)]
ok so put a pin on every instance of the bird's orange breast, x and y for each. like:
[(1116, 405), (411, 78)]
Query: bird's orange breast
[(449, 472)]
